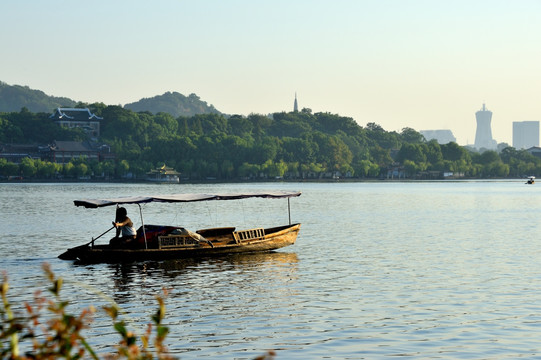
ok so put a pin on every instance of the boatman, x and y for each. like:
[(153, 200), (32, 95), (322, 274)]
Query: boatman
[(124, 227)]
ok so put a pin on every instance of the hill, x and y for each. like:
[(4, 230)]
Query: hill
[(15, 97), (173, 103)]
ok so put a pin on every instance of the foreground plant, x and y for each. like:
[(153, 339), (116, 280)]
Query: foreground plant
[(60, 335)]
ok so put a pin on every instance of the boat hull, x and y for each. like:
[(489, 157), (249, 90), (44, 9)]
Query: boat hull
[(274, 238)]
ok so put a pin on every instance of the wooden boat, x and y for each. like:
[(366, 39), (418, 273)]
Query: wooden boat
[(158, 242)]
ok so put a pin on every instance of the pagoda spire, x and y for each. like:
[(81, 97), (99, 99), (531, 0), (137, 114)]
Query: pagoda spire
[(295, 104)]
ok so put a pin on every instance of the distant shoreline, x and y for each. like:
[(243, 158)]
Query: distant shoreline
[(345, 180)]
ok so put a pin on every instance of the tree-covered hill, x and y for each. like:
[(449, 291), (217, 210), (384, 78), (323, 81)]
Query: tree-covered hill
[(173, 103), (16, 97)]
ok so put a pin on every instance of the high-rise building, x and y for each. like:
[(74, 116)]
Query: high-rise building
[(483, 135), (525, 134), (441, 136), (295, 105)]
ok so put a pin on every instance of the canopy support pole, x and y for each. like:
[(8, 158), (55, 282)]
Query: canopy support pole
[(143, 225), (289, 210)]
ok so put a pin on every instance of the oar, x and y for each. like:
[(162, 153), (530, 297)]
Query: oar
[(71, 254), (100, 236)]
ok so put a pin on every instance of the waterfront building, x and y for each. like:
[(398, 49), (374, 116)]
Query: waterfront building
[(16, 152), (163, 174), (483, 135), (525, 134), (62, 152)]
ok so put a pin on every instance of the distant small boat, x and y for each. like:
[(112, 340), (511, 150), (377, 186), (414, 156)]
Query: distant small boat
[(531, 180), (159, 242), (163, 174)]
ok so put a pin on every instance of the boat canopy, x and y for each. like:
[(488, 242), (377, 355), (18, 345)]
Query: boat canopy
[(171, 198)]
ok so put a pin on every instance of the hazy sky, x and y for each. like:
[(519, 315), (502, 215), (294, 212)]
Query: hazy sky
[(399, 63)]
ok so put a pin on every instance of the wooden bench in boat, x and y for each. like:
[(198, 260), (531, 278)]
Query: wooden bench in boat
[(248, 235)]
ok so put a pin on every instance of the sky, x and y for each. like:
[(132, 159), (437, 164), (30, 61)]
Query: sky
[(422, 64)]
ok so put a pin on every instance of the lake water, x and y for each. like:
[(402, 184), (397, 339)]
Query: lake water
[(416, 270)]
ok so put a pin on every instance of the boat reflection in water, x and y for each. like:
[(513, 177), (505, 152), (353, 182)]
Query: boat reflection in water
[(194, 274)]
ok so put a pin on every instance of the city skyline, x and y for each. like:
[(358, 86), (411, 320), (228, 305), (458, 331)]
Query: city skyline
[(427, 65)]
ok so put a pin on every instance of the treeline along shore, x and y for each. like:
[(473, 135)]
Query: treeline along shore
[(283, 145)]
